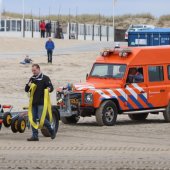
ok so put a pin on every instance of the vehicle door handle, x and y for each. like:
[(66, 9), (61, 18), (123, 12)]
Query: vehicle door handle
[(142, 92), (162, 90)]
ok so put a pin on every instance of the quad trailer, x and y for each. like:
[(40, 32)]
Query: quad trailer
[(18, 121)]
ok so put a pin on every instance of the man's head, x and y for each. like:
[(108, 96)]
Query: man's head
[(27, 57), (36, 69)]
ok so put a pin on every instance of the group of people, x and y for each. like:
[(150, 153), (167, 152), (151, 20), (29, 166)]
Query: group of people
[(45, 28)]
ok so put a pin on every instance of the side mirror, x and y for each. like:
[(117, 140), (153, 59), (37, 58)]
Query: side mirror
[(87, 75)]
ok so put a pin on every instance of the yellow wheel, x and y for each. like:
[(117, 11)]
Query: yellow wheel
[(7, 117), (14, 125), (21, 126)]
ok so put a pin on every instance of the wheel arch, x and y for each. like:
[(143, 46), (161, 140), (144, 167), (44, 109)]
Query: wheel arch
[(169, 98), (113, 100)]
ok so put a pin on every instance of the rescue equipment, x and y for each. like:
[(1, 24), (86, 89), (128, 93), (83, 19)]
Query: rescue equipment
[(19, 121), (46, 109)]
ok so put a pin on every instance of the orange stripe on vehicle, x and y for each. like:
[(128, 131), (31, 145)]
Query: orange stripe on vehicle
[(121, 103), (139, 99)]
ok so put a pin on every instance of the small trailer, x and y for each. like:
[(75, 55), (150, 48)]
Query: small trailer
[(18, 121)]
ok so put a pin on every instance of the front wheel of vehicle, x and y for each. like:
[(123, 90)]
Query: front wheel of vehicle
[(138, 117), (166, 114), (70, 120), (107, 114)]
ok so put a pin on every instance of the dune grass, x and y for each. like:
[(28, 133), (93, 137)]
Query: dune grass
[(121, 22)]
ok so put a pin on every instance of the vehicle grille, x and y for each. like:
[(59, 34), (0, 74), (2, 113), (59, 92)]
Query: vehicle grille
[(75, 98)]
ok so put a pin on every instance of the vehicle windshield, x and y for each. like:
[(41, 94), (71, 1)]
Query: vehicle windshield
[(116, 71)]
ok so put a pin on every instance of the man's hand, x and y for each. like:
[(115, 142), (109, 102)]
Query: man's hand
[(49, 89), (29, 84)]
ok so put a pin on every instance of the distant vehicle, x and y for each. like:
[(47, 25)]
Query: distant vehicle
[(134, 28)]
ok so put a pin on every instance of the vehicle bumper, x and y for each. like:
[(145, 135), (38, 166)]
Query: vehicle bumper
[(83, 111), (67, 113)]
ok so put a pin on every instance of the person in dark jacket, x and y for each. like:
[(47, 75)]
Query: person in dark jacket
[(50, 47), (48, 29), (43, 82), (135, 76)]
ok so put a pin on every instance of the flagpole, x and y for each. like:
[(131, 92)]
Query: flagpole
[(113, 20), (23, 17), (0, 9), (23, 9)]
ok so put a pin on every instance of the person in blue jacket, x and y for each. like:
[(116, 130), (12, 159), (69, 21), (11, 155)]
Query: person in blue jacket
[(50, 46)]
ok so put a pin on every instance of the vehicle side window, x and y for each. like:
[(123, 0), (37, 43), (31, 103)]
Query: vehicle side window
[(135, 75), (156, 73), (169, 72)]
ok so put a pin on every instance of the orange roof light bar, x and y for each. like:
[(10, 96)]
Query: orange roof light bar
[(121, 52)]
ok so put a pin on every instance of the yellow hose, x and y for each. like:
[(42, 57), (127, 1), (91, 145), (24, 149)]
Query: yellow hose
[(46, 109)]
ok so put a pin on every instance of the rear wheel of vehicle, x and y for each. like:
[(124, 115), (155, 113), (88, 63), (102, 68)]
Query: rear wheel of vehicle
[(138, 117), (166, 114), (21, 125), (14, 125), (55, 125), (7, 117), (107, 114)]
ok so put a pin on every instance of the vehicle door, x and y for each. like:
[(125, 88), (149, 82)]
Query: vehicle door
[(137, 91), (157, 86)]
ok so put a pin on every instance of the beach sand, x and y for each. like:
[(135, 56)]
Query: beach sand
[(126, 146), (66, 68)]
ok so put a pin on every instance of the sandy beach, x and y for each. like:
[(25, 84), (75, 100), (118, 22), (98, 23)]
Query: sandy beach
[(128, 145), (67, 66)]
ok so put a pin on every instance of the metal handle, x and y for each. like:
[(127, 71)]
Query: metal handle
[(162, 90)]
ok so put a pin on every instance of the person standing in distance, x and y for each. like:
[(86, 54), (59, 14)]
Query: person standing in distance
[(42, 82), (50, 46), (42, 29), (48, 29)]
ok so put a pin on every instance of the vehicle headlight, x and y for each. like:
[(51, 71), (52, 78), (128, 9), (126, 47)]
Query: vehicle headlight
[(88, 98)]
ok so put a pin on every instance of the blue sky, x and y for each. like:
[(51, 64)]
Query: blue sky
[(104, 7)]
